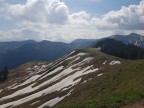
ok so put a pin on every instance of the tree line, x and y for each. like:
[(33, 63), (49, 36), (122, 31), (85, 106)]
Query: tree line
[(3, 74), (120, 49)]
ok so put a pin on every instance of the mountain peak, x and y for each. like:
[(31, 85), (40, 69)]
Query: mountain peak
[(132, 38), (134, 34)]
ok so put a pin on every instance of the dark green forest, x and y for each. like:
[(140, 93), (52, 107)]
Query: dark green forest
[(3, 74), (120, 49)]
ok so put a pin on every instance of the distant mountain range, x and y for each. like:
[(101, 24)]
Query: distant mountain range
[(82, 43), (132, 38), (34, 51), (13, 54), (5, 46)]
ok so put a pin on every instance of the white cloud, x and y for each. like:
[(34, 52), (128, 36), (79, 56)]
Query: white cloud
[(82, 18), (51, 20), (130, 18), (51, 11), (20, 34)]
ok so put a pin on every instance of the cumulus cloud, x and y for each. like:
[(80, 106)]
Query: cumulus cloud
[(51, 20), (131, 18), (80, 18), (20, 34), (51, 11), (127, 18)]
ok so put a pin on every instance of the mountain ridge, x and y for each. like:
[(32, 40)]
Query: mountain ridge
[(12, 51), (40, 51), (84, 78), (132, 38), (60, 76)]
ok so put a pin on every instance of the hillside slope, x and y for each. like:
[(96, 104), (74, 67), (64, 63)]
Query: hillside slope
[(82, 79), (14, 54)]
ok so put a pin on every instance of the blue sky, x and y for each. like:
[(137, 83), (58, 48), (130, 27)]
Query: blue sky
[(99, 7), (95, 7), (66, 20)]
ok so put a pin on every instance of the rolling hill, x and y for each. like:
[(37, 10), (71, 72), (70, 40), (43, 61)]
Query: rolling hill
[(84, 78)]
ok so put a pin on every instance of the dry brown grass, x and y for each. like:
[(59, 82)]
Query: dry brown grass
[(138, 104), (92, 89)]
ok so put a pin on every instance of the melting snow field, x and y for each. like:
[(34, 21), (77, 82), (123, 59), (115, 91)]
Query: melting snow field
[(65, 78), (54, 101), (53, 72), (33, 78), (64, 84)]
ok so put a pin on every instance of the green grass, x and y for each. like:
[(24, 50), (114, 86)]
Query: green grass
[(92, 51), (110, 101), (120, 85)]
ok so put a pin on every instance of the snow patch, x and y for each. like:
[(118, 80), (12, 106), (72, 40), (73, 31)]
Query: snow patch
[(67, 77), (75, 60), (1, 90), (35, 102), (100, 74), (66, 88), (81, 54), (78, 55), (68, 81), (32, 79), (86, 60), (69, 58), (54, 101), (114, 62), (71, 53), (12, 86), (53, 72), (104, 62), (19, 92), (84, 81)]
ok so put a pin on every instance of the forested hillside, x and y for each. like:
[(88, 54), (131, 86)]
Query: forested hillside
[(120, 49)]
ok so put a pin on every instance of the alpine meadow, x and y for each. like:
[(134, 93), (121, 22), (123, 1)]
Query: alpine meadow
[(71, 54)]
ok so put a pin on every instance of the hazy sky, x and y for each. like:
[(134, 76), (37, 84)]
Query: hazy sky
[(66, 20)]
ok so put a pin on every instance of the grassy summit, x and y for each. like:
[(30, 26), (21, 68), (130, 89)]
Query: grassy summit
[(119, 85), (117, 82)]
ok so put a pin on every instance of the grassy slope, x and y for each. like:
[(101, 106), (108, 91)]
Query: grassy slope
[(119, 85), (17, 75)]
